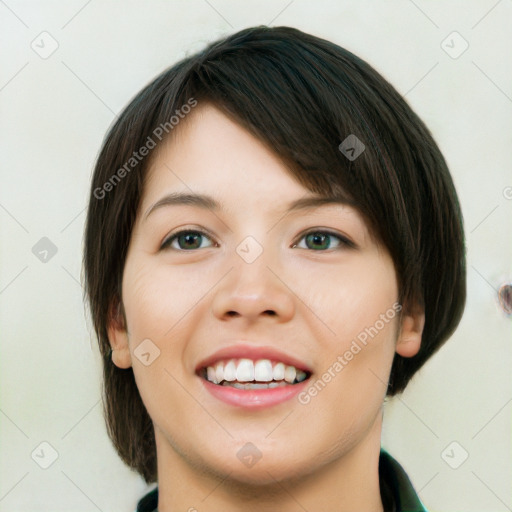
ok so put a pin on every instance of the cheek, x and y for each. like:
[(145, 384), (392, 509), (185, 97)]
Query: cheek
[(359, 306), (348, 391), (352, 298), (156, 302), (157, 296)]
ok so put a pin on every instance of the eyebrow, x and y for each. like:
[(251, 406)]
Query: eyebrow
[(209, 203)]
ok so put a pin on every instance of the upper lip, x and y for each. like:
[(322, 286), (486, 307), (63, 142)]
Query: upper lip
[(244, 351)]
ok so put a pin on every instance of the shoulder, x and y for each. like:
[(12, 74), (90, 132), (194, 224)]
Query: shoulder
[(395, 482), (149, 502)]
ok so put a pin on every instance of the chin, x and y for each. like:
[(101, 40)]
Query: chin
[(263, 469)]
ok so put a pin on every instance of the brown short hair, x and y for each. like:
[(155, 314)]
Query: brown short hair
[(301, 96)]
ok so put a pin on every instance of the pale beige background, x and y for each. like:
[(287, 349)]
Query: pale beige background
[(54, 113)]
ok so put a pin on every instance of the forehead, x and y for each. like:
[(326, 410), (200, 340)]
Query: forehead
[(210, 155), (213, 163), (209, 149)]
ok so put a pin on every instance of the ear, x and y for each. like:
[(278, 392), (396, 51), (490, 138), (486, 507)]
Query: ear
[(411, 329), (118, 336)]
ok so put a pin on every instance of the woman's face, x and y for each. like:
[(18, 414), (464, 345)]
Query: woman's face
[(250, 279)]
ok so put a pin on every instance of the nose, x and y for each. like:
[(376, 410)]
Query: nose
[(252, 291)]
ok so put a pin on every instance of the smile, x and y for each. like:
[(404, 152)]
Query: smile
[(249, 374), (250, 384)]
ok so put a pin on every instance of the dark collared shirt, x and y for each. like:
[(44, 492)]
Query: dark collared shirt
[(396, 491)]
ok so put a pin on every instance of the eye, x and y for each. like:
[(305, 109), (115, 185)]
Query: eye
[(186, 239), (321, 240), (191, 239)]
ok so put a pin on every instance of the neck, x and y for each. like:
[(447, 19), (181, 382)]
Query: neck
[(347, 482)]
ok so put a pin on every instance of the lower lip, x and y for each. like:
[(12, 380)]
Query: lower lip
[(254, 398)]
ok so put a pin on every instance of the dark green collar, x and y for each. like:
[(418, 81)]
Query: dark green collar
[(396, 490)]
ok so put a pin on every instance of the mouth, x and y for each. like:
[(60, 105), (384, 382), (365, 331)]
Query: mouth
[(249, 374)]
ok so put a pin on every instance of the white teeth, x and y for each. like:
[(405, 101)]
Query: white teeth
[(211, 375), (219, 371), (239, 371), (278, 371), (263, 371), (254, 385), (245, 371), (230, 371), (289, 374)]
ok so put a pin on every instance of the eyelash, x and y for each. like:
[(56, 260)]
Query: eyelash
[(344, 242)]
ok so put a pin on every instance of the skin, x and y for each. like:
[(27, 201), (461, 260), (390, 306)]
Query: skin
[(308, 301)]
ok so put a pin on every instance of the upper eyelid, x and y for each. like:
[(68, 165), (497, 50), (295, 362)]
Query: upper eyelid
[(343, 238), (173, 236)]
